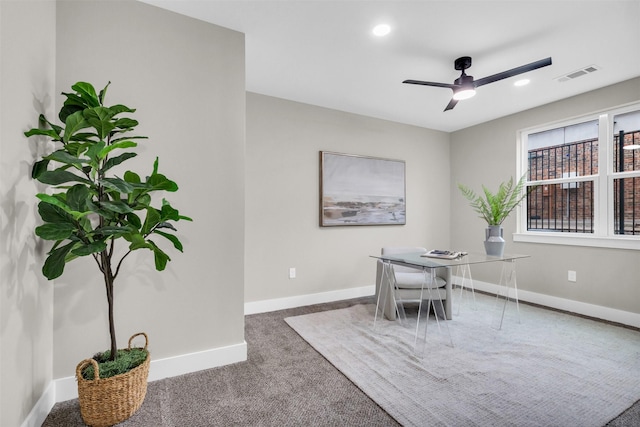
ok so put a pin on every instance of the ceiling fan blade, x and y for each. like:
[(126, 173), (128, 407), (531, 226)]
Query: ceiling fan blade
[(451, 104), (420, 82), (513, 72)]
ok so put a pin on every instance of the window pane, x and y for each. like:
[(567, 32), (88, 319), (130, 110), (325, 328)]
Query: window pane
[(626, 201), (563, 152), (564, 207), (626, 137)]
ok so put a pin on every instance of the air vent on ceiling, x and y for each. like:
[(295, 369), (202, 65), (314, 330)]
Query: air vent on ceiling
[(578, 73)]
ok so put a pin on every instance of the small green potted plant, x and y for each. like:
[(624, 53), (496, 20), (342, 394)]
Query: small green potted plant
[(89, 209), (494, 208)]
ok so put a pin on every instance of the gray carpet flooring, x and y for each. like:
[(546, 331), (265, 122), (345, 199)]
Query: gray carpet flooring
[(284, 382)]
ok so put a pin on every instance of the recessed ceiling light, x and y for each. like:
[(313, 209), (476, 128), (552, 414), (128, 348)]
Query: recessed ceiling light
[(381, 30), (522, 82)]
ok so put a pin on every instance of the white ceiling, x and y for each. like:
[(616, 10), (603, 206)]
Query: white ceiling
[(323, 52)]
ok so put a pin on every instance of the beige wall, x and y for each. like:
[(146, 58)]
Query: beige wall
[(282, 197), (186, 79), (27, 59), (486, 154)]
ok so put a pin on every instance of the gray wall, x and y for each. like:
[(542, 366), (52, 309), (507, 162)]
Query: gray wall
[(256, 212), (486, 154), (186, 79), (27, 49), (282, 197)]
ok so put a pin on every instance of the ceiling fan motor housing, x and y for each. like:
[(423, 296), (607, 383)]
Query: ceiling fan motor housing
[(464, 80)]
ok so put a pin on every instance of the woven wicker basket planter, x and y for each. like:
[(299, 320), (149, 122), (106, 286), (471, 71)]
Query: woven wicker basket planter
[(108, 401)]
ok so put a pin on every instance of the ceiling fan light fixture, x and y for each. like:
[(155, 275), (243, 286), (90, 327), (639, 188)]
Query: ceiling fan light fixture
[(464, 93), (381, 30)]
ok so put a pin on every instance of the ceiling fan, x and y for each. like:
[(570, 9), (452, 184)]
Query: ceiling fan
[(464, 86)]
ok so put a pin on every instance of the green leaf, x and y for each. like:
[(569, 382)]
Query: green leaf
[(137, 241), (152, 219), (132, 177), (167, 212), (53, 213), (54, 264), (58, 177), (122, 144), (114, 161), (160, 257), (119, 108), (134, 220), (90, 248), (126, 123), (74, 123), (85, 137), (55, 231), (100, 119), (63, 156), (116, 184), (103, 93), (114, 231), (160, 182), (117, 207), (94, 151), (76, 148), (176, 242), (166, 225), (38, 168), (77, 197), (128, 137), (87, 93), (55, 200), (46, 132), (67, 110), (142, 201), (53, 126)]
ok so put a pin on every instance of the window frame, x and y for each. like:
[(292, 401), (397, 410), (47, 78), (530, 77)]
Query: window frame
[(603, 186)]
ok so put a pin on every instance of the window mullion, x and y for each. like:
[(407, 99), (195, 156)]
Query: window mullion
[(603, 197)]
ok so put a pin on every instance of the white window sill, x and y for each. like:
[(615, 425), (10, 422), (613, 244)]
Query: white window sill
[(578, 239)]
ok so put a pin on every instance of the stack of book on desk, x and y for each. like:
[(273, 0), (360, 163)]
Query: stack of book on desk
[(436, 253)]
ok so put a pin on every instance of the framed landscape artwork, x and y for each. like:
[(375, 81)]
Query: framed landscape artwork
[(360, 190)]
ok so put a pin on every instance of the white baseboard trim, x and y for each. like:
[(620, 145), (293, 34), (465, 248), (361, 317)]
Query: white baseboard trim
[(583, 308), (42, 408), (66, 388), (265, 306)]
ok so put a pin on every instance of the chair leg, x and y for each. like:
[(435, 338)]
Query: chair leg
[(429, 280)]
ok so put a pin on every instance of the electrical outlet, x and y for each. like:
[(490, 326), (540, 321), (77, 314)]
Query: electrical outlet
[(571, 276), (292, 273)]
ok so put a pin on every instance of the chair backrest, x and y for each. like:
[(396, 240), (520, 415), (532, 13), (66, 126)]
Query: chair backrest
[(391, 250)]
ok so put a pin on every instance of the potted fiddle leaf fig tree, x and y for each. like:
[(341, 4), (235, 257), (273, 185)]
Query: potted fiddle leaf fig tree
[(94, 210), (494, 208)]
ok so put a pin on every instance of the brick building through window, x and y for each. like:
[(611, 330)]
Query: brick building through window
[(568, 206)]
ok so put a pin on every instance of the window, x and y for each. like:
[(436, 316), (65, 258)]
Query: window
[(583, 178)]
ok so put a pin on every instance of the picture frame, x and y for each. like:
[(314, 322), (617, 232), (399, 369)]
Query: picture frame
[(361, 190)]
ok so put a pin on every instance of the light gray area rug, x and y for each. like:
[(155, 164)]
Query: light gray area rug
[(551, 369)]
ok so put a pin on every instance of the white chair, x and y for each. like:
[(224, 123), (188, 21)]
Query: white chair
[(408, 284)]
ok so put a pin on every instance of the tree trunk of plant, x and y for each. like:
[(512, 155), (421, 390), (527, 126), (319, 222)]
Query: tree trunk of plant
[(108, 282)]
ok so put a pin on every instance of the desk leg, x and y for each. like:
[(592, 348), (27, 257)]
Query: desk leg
[(465, 270), (507, 281)]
